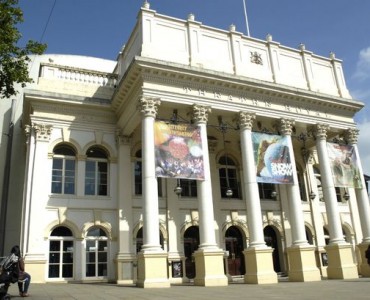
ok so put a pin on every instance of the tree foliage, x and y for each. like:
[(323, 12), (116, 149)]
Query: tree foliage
[(14, 58)]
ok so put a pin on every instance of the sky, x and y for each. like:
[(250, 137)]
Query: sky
[(100, 28)]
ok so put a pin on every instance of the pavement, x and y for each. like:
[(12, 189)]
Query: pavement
[(324, 289)]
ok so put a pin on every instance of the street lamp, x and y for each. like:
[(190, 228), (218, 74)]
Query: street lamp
[(178, 188)]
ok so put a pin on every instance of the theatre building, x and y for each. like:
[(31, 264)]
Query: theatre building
[(200, 155)]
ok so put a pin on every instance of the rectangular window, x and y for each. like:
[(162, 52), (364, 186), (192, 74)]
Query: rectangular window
[(189, 188), (63, 176), (96, 178), (265, 190)]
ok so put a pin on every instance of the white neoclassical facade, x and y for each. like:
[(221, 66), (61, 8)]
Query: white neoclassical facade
[(87, 204)]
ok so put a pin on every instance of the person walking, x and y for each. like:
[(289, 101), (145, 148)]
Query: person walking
[(24, 279)]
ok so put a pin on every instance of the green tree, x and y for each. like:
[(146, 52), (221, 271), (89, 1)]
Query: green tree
[(13, 58)]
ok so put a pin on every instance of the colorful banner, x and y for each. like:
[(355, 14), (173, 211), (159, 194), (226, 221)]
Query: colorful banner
[(272, 158), (344, 166), (178, 149)]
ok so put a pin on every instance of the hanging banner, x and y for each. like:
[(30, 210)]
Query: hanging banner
[(178, 149), (272, 158), (344, 165)]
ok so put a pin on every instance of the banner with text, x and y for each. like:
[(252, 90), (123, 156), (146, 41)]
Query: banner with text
[(272, 158), (344, 165), (178, 149)]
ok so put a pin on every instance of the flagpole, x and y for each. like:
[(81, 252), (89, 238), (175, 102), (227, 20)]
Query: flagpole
[(246, 18)]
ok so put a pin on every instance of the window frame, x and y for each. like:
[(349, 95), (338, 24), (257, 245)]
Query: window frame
[(62, 172), (100, 159)]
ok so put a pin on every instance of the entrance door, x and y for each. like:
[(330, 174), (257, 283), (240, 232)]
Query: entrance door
[(271, 241), (191, 244), (234, 244)]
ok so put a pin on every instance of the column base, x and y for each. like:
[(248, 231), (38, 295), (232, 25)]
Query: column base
[(364, 267), (152, 270), (126, 264), (302, 264), (209, 268), (340, 262), (35, 265), (259, 266)]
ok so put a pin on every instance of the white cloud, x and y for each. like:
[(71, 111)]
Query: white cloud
[(363, 65), (364, 146)]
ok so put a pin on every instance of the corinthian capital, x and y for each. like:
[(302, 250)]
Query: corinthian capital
[(351, 136), (321, 131), (246, 120), (286, 126), (149, 106), (200, 113), (42, 131)]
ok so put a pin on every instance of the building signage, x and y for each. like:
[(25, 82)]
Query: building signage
[(178, 149), (344, 165), (272, 158)]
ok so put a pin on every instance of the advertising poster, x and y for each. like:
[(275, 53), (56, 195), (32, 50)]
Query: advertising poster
[(178, 149), (272, 158), (344, 167)]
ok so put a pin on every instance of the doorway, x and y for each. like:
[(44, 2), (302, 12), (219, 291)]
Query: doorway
[(271, 240), (235, 246), (191, 244)]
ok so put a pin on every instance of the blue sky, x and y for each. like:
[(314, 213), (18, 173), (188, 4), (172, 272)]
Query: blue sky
[(100, 27)]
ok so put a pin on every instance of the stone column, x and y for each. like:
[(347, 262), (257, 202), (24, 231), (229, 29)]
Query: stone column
[(208, 258), (363, 204), (258, 257), (340, 260), (152, 260), (301, 255)]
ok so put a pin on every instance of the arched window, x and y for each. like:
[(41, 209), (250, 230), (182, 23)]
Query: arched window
[(96, 172), (228, 177), (61, 253), (64, 170), (96, 253)]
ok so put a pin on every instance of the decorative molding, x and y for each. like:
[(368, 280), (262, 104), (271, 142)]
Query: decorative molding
[(149, 106), (351, 136), (321, 131), (286, 126), (256, 58), (42, 131), (200, 113), (246, 120)]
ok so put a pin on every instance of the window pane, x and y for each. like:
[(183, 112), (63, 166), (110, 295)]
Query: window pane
[(54, 258), (53, 271), (102, 246), (67, 271), (90, 270), (102, 257), (102, 270), (54, 245)]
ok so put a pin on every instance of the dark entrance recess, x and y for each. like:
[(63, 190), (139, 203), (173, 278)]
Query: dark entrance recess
[(235, 246), (191, 244), (271, 241)]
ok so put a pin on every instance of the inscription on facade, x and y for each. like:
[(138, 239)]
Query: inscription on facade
[(253, 99)]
